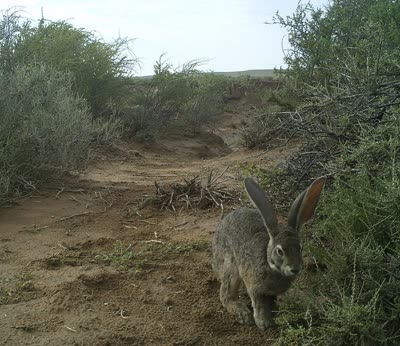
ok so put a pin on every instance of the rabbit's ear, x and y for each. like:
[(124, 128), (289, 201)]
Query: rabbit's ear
[(263, 204), (304, 206)]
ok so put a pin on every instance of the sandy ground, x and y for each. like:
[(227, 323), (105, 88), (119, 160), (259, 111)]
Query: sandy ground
[(80, 266)]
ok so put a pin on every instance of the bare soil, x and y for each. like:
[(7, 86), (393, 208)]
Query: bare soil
[(81, 264)]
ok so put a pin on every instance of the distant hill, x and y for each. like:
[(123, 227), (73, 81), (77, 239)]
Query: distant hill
[(268, 73), (251, 73)]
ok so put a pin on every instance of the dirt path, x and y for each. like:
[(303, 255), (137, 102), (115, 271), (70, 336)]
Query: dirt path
[(78, 265)]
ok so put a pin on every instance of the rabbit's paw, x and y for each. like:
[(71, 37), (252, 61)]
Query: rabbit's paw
[(264, 324), (244, 316)]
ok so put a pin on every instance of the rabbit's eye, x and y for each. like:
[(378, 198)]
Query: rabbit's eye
[(279, 252)]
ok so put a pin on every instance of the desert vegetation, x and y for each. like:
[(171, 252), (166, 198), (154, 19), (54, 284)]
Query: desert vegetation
[(65, 90), (343, 70), (70, 101)]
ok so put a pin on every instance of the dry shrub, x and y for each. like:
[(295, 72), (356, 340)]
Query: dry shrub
[(194, 192)]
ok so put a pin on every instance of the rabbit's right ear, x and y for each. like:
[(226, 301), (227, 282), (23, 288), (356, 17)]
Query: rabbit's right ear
[(303, 207), (263, 204)]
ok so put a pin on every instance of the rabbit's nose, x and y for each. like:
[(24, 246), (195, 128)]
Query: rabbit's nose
[(294, 271)]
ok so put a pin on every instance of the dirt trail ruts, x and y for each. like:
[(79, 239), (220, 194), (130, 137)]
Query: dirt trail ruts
[(63, 251)]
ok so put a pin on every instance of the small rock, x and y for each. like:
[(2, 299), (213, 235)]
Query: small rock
[(168, 301), (27, 286)]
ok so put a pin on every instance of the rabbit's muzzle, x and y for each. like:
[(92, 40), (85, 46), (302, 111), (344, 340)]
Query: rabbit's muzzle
[(291, 271)]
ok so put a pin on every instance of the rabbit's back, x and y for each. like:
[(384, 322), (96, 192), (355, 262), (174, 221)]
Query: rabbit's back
[(239, 236)]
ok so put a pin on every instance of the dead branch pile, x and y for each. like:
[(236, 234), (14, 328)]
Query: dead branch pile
[(195, 192)]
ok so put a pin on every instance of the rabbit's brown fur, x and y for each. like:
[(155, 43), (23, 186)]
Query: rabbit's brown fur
[(251, 248)]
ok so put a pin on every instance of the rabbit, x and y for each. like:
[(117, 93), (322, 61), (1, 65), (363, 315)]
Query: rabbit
[(251, 248)]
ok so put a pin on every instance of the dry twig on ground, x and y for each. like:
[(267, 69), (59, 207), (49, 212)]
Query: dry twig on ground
[(195, 192)]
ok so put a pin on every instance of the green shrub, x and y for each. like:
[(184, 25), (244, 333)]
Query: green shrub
[(274, 120), (12, 29), (107, 131), (353, 297), (264, 129), (173, 96), (48, 74), (206, 103), (99, 69), (344, 70), (45, 129)]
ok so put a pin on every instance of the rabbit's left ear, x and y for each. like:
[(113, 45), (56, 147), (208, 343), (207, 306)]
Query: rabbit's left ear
[(304, 206), (263, 204)]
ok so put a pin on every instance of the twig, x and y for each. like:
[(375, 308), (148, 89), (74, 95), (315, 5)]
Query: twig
[(37, 229), (109, 204), (62, 246), (180, 224), (220, 175), (59, 192), (72, 216), (31, 185), (148, 222), (130, 227), (70, 329), (122, 314)]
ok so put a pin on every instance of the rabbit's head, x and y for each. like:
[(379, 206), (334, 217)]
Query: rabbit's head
[(284, 247)]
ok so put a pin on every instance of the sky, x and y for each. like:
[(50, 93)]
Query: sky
[(230, 35)]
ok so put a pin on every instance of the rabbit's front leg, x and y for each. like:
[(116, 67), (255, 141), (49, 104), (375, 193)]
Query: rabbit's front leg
[(264, 308), (230, 283)]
